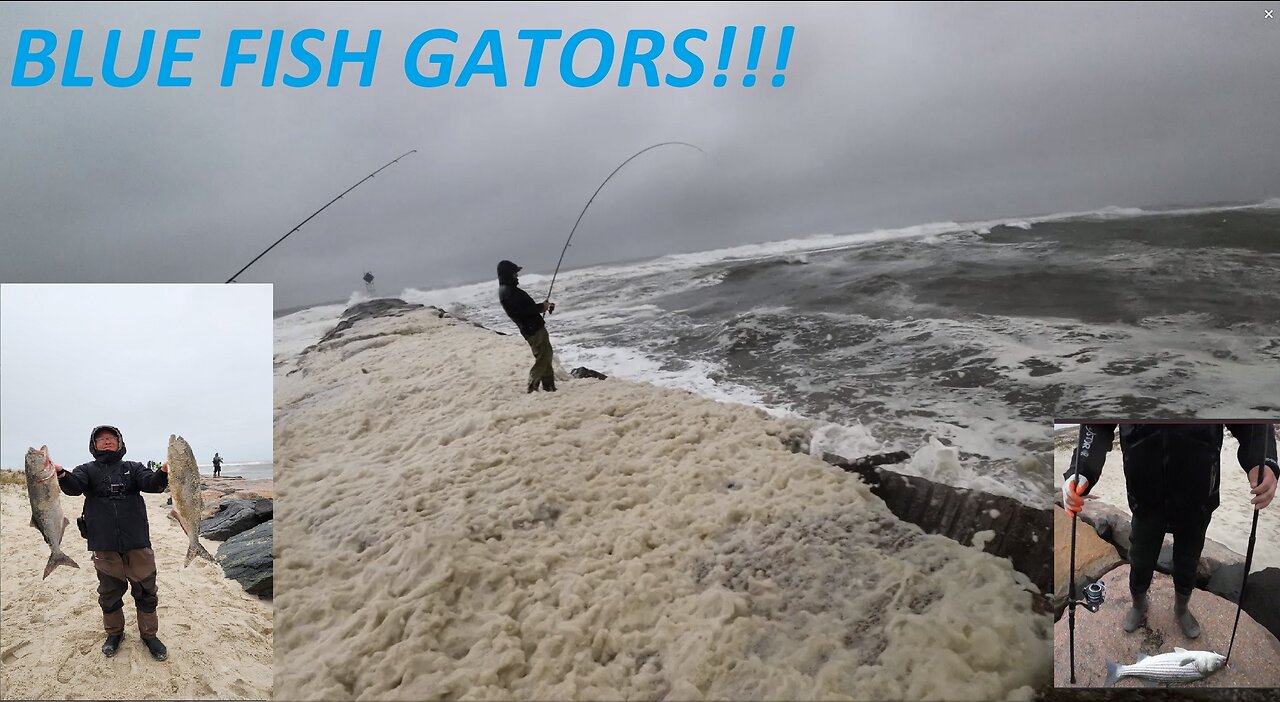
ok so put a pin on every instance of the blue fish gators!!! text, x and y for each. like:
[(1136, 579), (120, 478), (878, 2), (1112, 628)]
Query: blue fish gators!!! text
[(435, 58)]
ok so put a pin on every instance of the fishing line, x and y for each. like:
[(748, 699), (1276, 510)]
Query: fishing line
[(593, 197), (232, 279)]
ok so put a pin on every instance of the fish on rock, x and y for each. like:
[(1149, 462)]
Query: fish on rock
[(1179, 666)]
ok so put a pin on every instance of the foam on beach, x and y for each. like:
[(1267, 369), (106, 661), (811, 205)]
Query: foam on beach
[(452, 536)]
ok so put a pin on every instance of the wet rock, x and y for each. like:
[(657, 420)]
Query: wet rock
[(246, 558), (1262, 593), (234, 517), (217, 491), (382, 307), (1101, 637), (1022, 534)]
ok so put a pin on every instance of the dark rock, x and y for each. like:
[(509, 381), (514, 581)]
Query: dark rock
[(1118, 523), (382, 307), (1262, 593), (584, 372), (236, 516), (860, 465), (1103, 527), (246, 558), (1023, 534)]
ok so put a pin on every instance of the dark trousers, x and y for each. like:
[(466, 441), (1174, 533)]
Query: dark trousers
[(1147, 539), (117, 574)]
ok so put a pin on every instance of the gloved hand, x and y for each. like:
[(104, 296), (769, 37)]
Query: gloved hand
[(1072, 492), (1262, 494)]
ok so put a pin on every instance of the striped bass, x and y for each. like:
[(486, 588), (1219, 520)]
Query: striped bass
[(1179, 666)]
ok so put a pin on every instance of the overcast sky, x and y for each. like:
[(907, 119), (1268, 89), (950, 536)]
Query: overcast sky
[(891, 115), (152, 360)]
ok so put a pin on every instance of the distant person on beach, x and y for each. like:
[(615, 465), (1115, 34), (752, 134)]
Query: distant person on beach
[(527, 315), (217, 464), (118, 533), (1172, 475)]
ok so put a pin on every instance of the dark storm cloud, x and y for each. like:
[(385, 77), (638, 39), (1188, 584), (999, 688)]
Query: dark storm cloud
[(891, 115)]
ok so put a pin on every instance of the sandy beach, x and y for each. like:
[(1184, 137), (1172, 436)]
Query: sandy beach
[(219, 638), (1231, 520), (449, 535)]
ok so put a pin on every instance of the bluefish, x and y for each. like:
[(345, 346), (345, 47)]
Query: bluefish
[(184, 485), (46, 507)]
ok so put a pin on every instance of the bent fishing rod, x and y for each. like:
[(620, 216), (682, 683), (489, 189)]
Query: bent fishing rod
[(232, 279), (593, 197)]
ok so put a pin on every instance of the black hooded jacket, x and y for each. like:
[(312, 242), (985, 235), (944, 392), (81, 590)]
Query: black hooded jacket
[(1171, 469), (116, 523), (521, 308)]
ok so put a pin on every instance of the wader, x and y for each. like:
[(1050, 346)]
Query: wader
[(116, 573), (541, 372)]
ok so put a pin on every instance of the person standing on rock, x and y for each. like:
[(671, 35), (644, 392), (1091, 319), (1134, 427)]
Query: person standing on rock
[(1172, 475), (527, 315), (118, 533), (217, 464)]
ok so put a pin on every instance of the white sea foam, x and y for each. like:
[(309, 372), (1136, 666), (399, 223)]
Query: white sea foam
[(297, 331), (454, 536)]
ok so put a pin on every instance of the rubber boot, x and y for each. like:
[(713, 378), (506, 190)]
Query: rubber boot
[(533, 385), (112, 644), (549, 383), (1137, 613), (1190, 627), (157, 648)]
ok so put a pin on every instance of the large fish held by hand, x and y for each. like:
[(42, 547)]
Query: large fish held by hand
[(46, 506), (1180, 666), (184, 485)]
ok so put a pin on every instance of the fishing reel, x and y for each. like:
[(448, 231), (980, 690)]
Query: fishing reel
[(1095, 594)]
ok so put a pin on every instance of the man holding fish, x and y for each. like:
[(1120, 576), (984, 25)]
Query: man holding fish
[(118, 534)]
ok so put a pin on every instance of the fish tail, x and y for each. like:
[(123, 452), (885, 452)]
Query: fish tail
[(57, 559), (197, 549), (1113, 673)]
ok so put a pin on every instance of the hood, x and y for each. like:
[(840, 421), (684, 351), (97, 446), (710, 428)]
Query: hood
[(107, 456), (507, 273)]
